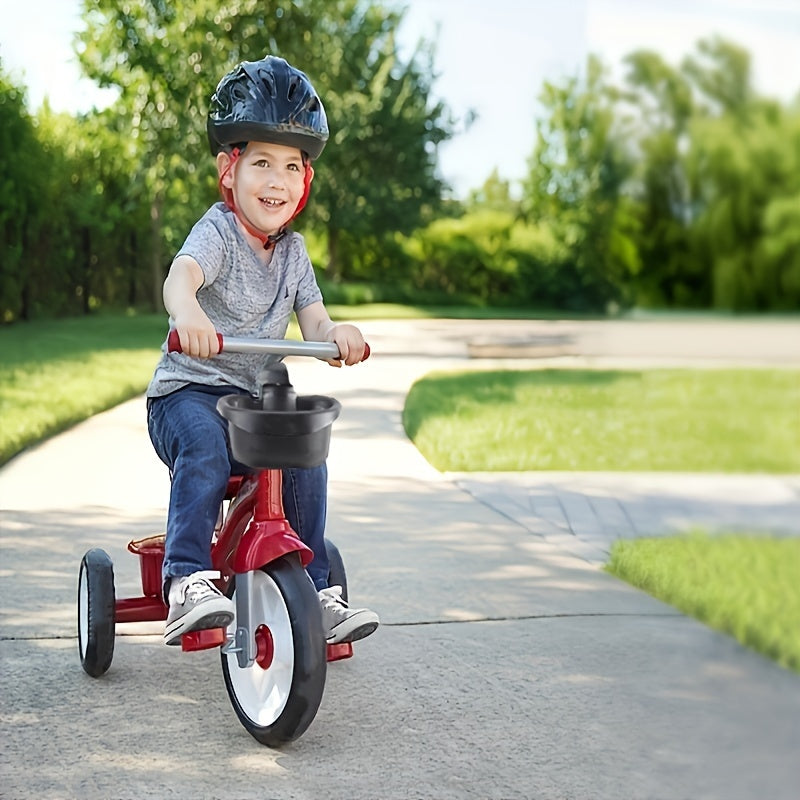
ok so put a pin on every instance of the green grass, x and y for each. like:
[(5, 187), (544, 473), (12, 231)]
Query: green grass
[(745, 586), (55, 373), (731, 420)]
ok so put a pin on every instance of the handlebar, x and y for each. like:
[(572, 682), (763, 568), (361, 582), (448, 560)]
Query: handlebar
[(278, 347)]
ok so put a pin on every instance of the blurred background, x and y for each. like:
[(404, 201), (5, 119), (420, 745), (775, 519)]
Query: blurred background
[(591, 156)]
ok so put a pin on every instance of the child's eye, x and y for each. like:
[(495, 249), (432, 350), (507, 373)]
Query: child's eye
[(294, 167), (262, 162)]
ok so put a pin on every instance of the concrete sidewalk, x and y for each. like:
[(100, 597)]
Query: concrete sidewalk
[(508, 664)]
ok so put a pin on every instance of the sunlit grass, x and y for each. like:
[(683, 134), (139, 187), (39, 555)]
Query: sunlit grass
[(56, 373), (745, 586), (731, 420)]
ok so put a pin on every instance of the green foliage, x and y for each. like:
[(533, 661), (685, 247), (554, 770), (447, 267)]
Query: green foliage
[(575, 186), (466, 257), (746, 174), (378, 173), (715, 184), (673, 420), (494, 195), (663, 96), (742, 585), (72, 233), (679, 187), (19, 191)]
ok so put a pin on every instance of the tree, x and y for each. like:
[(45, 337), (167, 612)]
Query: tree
[(495, 194), (746, 174), (575, 186), (166, 58), (154, 51), (662, 99), (378, 173), (19, 189), (743, 168), (721, 74)]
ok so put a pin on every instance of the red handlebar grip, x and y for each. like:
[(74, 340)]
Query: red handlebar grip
[(174, 342), (367, 351)]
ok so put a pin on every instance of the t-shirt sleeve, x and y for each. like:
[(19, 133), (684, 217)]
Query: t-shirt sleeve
[(206, 245)]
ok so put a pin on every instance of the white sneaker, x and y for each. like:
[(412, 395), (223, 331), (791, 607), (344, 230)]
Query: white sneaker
[(342, 623), (195, 604)]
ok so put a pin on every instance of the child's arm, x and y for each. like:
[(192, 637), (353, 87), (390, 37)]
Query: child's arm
[(317, 326), (195, 329)]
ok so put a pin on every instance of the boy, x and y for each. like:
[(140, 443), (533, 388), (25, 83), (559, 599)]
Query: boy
[(242, 272)]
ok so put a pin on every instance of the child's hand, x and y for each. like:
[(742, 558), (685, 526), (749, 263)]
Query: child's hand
[(197, 334), (350, 342)]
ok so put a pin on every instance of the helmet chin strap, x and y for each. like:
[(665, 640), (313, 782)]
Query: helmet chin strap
[(269, 241)]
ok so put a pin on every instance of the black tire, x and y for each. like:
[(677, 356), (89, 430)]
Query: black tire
[(276, 704), (96, 611), (336, 571)]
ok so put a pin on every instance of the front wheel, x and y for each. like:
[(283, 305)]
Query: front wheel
[(277, 697), (96, 607)]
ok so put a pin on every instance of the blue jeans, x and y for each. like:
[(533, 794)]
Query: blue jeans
[(191, 438)]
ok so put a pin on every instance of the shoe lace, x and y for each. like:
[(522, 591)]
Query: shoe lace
[(331, 598), (199, 586)]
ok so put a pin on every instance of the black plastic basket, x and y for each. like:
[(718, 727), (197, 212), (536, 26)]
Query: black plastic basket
[(276, 439)]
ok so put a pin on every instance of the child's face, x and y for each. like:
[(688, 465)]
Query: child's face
[(267, 184)]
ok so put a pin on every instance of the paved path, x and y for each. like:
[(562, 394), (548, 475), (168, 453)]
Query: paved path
[(586, 512), (508, 664)]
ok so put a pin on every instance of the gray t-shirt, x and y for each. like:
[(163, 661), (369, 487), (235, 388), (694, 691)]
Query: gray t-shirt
[(242, 296)]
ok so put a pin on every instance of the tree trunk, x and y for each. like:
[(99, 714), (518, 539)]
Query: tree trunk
[(87, 269), (332, 270), (156, 270), (25, 267), (133, 253)]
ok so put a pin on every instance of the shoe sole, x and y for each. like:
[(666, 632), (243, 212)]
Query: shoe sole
[(360, 632), (211, 618)]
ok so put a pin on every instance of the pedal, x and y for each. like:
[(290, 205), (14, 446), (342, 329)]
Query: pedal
[(338, 652), (203, 640)]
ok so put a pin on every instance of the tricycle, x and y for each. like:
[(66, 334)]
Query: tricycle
[(274, 653)]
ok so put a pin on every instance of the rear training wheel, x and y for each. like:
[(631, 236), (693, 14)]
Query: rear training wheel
[(277, 697), (96, 612)]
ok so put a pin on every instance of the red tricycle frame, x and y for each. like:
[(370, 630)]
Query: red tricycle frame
[(254, 532)]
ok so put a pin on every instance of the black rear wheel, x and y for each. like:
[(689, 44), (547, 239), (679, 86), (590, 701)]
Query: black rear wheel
[(96, 611)]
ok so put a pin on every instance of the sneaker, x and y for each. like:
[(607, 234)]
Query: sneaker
[(342, 623), (195, 604)]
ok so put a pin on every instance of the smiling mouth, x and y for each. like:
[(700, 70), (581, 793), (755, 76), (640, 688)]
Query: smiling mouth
[(270, 203)]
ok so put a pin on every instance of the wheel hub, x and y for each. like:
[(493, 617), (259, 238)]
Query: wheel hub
[(265, 647)]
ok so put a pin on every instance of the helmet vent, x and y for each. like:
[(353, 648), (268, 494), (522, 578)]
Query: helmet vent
[(268, 81)]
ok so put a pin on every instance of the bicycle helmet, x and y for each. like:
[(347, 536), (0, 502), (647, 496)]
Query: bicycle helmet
[(267, 101)]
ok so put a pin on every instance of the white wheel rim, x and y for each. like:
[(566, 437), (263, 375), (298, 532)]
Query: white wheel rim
[(83, 611), (262, 694)]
